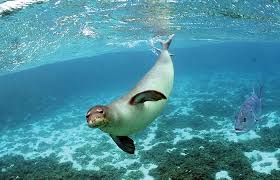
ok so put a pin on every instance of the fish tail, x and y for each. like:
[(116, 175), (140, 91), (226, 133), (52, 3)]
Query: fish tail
[(260, 91), (166, 44)]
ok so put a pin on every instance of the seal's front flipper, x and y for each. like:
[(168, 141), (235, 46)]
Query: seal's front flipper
[(149, 95), (125, 143)]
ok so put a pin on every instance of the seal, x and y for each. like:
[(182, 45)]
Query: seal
[(137, 109)]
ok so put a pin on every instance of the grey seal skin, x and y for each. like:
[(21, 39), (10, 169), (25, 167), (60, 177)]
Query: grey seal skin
[(137, 109)]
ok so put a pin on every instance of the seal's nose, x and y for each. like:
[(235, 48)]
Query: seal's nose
[(87, 117)]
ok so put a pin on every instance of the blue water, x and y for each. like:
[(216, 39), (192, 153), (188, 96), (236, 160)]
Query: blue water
[(59, 58)]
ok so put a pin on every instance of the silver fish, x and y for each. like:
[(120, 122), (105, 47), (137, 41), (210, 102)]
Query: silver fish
[(249, 113)]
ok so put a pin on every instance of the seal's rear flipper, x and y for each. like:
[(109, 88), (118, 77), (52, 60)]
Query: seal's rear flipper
[(166, 44), (125, 143), (149, 95)]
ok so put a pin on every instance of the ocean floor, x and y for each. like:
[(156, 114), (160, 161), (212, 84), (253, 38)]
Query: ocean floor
[(192, 139)]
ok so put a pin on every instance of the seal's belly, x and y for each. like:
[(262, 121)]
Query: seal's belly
[(143, 117), (137, 117)]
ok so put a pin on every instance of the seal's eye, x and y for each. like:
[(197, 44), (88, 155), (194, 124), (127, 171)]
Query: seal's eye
[(244, 119), (99, 111)]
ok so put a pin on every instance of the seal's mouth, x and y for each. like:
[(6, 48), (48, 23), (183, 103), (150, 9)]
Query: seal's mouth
[(96, 123), (92, 124)]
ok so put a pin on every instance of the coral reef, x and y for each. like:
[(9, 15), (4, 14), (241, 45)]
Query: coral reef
[(201, 158), (48, 168)]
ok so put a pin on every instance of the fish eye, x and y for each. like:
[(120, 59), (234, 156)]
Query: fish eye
[(244, 119)]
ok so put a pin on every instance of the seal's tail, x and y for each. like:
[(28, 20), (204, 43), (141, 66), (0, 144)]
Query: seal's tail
[(166, 44)]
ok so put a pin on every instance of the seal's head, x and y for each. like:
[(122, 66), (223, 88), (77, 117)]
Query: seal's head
[(97, 116)]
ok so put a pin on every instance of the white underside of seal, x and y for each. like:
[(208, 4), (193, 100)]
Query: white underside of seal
[(129, 119)]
